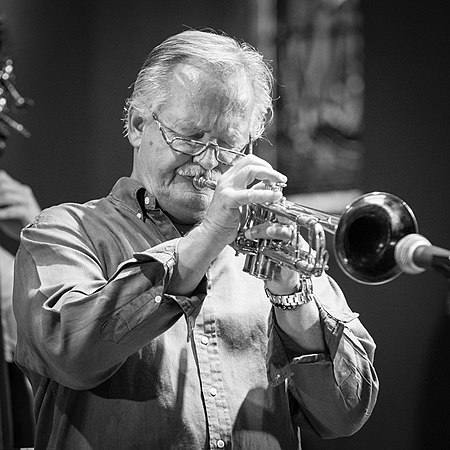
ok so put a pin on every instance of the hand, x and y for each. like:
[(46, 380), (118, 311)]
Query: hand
[(18, 206), (284, 280), (203, 243), (232, 192)]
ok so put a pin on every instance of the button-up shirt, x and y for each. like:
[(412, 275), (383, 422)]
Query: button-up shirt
[(117, 363)]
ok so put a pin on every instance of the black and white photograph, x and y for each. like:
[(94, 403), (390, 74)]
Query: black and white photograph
[(224, 225)]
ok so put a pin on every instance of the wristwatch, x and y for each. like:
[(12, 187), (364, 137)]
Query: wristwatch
[(304, 294)]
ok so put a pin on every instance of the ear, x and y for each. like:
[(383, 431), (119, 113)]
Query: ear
[(136, 123)]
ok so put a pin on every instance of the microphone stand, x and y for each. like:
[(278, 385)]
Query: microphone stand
[(441, 264)]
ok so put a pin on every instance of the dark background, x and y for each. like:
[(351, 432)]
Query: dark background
[(77, 59)]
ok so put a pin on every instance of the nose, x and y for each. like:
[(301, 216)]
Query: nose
[(207, 159)]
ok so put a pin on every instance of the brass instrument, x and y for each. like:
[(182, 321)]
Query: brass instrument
[(365, 236)]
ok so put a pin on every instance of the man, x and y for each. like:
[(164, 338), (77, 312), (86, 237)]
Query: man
[(18, 206), (136, 324)]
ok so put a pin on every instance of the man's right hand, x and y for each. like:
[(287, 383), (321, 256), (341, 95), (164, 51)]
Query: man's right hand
[(203, 243), (232, 192)]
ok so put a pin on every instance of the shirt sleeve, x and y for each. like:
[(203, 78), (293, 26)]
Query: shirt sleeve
[(75, 325), (332, 393)]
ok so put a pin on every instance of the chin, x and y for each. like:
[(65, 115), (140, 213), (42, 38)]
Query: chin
[(187, 217), (190, 208), (196, 209)]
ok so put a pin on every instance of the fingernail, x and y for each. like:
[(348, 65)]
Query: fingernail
[(249, 233)]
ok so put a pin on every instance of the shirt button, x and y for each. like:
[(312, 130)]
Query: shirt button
[(139, 215), (205, 340), (158, 299), (213, 391), (220, 443), (147, 200)]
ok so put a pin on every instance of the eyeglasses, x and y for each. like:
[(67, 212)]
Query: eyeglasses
[(227, 156)]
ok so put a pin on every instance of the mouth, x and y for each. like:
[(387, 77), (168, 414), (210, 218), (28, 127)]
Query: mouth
[(201, 179), (202, 182)]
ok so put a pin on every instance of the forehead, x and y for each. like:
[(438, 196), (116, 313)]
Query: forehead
[(202, 95)]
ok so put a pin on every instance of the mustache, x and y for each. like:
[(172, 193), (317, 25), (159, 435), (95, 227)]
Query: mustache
[(192, 170)]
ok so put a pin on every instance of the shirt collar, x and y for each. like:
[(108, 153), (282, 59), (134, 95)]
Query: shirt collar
[(133, 195)]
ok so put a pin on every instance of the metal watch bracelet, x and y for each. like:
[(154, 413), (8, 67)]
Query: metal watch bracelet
[(303, 295)]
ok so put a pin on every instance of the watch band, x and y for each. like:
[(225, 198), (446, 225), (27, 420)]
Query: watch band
[(303, 295)]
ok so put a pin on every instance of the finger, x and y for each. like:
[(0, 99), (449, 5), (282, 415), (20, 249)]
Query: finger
[(4, 175), (8, 183), (249, 196), (11, 212), (252, 168), (12, 197), (248, 174), (272, 230), (265, 185)]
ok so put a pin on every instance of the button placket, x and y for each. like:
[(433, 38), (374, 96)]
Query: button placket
[(211, 377)]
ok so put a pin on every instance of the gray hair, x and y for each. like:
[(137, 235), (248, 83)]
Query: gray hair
[(221, 53)]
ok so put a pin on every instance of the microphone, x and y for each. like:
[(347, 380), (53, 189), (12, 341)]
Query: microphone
[(415, 254)]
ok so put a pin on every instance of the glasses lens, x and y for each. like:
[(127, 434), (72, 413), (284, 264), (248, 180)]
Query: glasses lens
[(223, 155), (226, 157), (186, 146)]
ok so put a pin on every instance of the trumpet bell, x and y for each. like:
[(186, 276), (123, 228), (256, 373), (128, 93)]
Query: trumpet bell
[(367, 234)]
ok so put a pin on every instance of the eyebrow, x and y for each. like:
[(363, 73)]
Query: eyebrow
[(188, 128)]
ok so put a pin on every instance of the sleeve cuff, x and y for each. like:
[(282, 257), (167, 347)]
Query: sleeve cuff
[(167, 254), (283, 353)]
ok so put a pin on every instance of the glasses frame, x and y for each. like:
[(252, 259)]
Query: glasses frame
[(205, 145)]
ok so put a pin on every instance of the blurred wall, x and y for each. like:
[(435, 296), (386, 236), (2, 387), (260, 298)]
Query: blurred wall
[(406, 140), (76, 60)]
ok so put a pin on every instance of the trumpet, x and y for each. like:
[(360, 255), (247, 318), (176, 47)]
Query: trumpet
[(365, 236)]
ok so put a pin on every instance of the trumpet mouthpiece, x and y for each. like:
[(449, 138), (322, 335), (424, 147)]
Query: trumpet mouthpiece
[(202, 182)]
